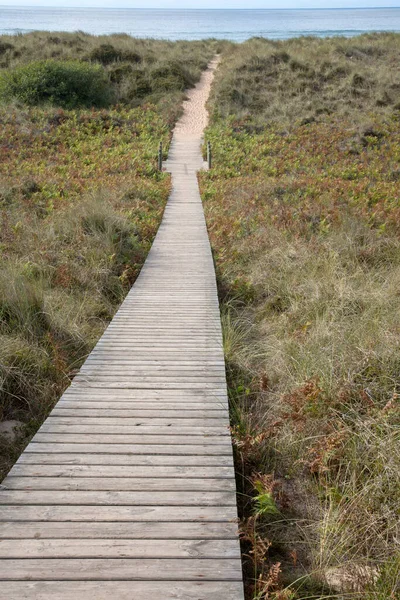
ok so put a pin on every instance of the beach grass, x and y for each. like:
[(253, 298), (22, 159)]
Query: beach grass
[(303, 214), (302, 207)]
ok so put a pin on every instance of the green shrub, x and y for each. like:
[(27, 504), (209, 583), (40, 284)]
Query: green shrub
[(107, 54), (119, 72), (69, 84), (136, 87), (172, 75), (4, 46)]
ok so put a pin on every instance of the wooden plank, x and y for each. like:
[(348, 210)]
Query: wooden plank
[(210, 347), (130, 439), (98, 498), (119, 484), (131, 353), (153, 472), (160, 351), (61, 410), (100, 458), (138, 424), (103, 375), (140, 362), (151, 385), (151, 449), (53, 512), (145, 402), (41, 530), (167, 395), (95, 548), (154, 371), (166, 429), (215, 410), (127, 590), (154, 405), (192, 341), (127, 569), (140, 415)]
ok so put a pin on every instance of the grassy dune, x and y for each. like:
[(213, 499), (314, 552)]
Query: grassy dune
[(302, 208), (138, 70), (80, 198)]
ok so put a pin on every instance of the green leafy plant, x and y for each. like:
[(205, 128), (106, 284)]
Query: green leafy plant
[(68, 84)]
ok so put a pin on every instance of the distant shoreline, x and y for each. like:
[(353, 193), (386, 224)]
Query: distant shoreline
[(236, 25), (114, 8)]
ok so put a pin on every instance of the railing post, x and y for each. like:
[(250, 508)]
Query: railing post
[(160, 157), (209, 157)]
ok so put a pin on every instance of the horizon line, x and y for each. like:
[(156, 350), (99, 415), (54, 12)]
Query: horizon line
[(193, 9)]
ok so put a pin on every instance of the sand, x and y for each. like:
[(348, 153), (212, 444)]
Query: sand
[(195, 115)]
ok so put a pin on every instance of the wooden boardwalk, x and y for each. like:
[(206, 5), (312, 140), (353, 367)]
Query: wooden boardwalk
[(127, 491)]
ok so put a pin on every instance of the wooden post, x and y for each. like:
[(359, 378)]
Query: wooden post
[(160, 157), (209, 157)]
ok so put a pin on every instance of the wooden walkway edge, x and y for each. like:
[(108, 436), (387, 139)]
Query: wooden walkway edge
[(127, 491)]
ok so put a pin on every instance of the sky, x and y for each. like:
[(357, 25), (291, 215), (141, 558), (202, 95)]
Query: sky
[(204, 3)]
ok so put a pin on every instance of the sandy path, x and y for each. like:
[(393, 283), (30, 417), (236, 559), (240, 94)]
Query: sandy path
[(195, 115)]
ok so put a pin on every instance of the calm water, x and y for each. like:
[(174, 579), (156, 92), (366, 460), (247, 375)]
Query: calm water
[(237, 25)]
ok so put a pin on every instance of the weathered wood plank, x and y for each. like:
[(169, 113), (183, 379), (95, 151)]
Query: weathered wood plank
[(153, 472), (116, 384), (156, 403), (99, 498), (41, 530), (138, 484), (95, 548), (103, 375), (100, 458), (151, 449), (166, 371), (142, 401), (127, 590), (84, 408), (117, 513), (138, 361), (215, 410), (166, 429), (153, 405), (127, 569), (130, 439), (151, 425), (173, 396)]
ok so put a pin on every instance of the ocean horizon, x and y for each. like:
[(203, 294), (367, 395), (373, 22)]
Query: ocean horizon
[(194, 24)]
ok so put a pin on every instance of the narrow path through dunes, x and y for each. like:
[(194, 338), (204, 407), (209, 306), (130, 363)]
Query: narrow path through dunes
[(127, 491)]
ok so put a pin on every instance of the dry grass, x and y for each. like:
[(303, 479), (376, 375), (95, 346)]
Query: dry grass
[(304, 231), (306, 79)]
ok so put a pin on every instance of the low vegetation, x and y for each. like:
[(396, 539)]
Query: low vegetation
[(302, 207), (53, 67), (80, 198), (308, 79), (69, 84)]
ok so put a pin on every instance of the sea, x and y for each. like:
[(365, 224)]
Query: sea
[(235, 25)]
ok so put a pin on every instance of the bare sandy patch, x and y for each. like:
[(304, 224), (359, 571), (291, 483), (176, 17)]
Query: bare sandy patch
[(195, 115)]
